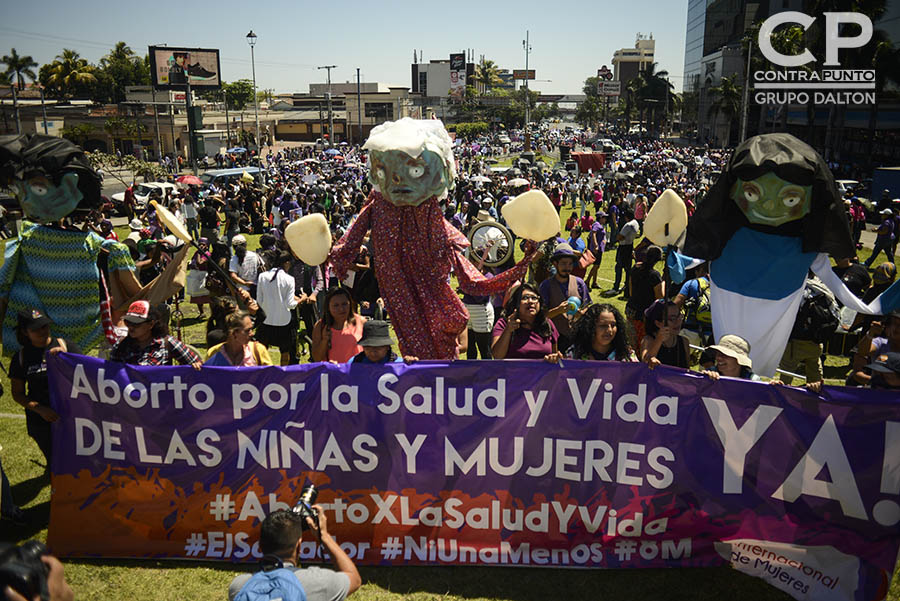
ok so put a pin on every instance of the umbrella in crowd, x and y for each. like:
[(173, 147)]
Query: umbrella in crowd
[(189, 180), (518, 181), (332, 151), (237, 150), (480, 178), (310, 161)]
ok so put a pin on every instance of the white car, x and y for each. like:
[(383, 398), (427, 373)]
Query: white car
[(143, 192), (846, 185)]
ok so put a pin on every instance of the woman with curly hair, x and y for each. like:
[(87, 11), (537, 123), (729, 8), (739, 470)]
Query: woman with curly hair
[(524, 332), (602, 335)]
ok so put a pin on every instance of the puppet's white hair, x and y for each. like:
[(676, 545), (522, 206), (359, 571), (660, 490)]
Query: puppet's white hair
[(414, 136)]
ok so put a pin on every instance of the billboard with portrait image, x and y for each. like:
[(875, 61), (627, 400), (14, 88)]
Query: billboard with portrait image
[(170, 67), (458, 76)]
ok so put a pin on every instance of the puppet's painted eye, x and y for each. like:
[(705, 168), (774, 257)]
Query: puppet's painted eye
[(379, 173), (791, 200), (751, 194), (39, 189), (417, 171)]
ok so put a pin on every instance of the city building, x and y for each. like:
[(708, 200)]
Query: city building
[(629, 62)]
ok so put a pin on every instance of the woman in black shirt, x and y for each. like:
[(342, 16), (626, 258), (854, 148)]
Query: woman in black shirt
[(28, 375)]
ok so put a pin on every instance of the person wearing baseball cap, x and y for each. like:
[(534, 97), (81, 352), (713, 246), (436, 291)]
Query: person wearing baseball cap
[(245, 265), (732, 359), (148, 341), (885, 371), (28, 375), (884, 240)]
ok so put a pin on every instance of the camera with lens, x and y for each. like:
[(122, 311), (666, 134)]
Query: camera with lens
[(22, 570), (304, 507)]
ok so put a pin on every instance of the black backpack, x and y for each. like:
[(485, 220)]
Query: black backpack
[(818, 316)]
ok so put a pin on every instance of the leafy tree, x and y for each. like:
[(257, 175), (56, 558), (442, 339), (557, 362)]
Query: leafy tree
[(727, 97), (590, 87), (590, 111), (239, 94), (70, 74), (119, 69), (78, 133), (20, 66), (487, 75), (114, 126), (112, 166)]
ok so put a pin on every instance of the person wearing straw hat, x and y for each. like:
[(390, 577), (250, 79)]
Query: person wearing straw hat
[(732, 359)]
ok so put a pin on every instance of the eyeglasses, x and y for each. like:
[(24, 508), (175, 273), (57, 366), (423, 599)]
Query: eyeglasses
[(530, 298)]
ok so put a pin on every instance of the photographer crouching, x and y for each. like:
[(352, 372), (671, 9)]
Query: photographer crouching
[(280, 538)]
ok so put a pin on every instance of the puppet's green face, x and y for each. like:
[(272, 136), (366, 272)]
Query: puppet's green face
[(770, 200), (406, 181), (45, 202)]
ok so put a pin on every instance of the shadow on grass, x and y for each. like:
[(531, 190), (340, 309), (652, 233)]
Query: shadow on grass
[(538, 584), (36, 517), (27, 490), (522, 583)]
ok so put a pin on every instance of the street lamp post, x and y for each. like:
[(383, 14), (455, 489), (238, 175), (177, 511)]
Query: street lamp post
[(330, 112), (251, 39), (527, 48)]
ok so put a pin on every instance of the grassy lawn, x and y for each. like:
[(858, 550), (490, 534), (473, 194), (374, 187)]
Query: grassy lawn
[(156, 580)]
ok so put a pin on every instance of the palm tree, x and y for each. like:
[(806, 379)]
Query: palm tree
[(69, 71), (727, 102), (487, 75), (120, 52), (654, 86), (19, 66)]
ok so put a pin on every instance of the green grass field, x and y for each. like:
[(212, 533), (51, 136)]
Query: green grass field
[(183, 580)]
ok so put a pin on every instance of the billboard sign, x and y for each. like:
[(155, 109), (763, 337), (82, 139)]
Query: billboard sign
[(457, 76), (171, 67), (609, 88), (604, 73), (520, 74)]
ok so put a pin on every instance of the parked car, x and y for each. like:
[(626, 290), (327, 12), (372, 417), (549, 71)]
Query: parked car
[(220, 177), (846, 185), (142, 195)]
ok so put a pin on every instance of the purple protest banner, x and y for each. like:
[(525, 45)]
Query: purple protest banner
[(588, 464)]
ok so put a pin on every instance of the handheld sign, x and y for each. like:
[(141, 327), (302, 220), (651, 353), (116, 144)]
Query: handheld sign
[(309, 238), (667, 220), (531, 216), (171, 221)]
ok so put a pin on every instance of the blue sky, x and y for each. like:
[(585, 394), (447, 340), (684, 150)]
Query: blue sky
[(569, 41)]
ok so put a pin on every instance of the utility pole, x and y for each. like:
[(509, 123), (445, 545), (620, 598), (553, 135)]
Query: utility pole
[(227, 120), (251, 39), (43, 109), (359, 106), (746, 101), (527, 48), (328, 68), (156, 123)]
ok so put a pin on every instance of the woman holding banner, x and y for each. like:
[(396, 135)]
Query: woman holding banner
[(602, 335), (238, 350)]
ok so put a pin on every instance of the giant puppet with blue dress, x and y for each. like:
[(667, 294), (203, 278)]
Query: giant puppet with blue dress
[(50, 267), (772, 216)]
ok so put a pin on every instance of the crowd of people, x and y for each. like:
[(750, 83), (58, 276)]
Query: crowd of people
[(267, 298)]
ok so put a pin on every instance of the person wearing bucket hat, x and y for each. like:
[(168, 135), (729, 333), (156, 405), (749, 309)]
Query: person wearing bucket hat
[(28, 375), (559, 288), (732, 359), (376, 343)]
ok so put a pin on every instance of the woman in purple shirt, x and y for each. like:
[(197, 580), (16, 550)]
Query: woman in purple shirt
[(524, 332)]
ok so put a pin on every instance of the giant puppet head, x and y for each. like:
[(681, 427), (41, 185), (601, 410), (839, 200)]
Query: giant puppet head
[(777, 184), (411, 160), (51, 176)]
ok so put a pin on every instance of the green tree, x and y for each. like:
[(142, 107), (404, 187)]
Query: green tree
[(114, 126), (70, 74), (20, 66), (239, 94), (727, 97), (119, 69), (487, 76), (78, 133), (590, 111)]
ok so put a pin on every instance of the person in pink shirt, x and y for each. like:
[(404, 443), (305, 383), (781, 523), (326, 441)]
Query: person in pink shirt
[(857, 220), (336, 335)]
